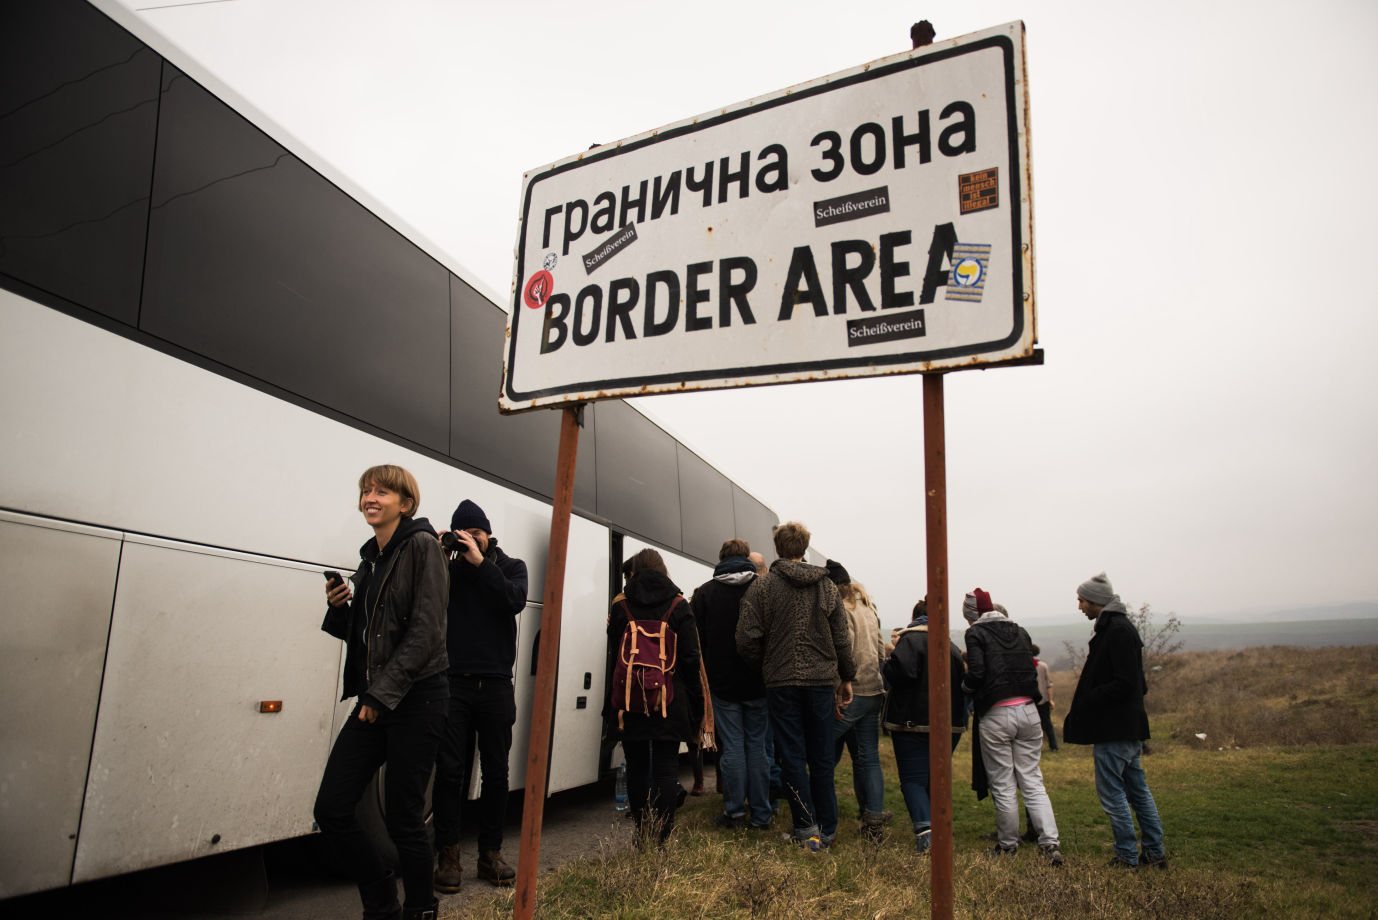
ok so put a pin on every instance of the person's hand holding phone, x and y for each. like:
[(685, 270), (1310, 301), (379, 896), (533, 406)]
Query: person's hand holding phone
[(337, 591)]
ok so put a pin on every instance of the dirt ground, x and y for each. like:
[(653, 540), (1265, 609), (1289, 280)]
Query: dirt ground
[(286, 881)]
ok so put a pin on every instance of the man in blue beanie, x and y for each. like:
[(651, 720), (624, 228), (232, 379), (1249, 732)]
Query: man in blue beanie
[(1108, 714), (487, 591)]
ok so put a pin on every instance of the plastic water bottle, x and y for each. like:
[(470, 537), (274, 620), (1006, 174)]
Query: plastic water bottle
[(620, 787)]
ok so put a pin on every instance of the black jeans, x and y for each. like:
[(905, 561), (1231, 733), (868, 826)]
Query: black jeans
[(653, 784), (1045, 716), (404, 739), (482, 708)]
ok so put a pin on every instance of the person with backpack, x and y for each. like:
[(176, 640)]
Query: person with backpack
[(655, 698)]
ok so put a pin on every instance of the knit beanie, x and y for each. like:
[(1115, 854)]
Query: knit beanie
[(469, 515), (1097, 590), (837, 573), (983, 604), (969, 611)]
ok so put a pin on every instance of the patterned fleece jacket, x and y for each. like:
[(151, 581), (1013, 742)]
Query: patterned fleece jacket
[(794, 628)]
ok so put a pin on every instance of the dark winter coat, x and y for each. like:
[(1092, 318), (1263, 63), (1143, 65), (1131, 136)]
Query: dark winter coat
[(716, 606), (794, 629), (1000, 662), (906, 683), (1108, 704), (649, 595), (484, 602), (394, 626)]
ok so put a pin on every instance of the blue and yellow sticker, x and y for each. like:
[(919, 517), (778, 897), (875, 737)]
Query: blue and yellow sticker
[(967, 279)]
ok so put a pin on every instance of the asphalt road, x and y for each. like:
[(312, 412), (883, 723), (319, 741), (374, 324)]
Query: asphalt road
[(286, 881)]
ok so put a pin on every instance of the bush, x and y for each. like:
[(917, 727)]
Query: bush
[(1160, 641), (1278, 695)]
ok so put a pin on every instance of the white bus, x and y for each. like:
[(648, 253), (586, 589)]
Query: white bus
[(206, 340)]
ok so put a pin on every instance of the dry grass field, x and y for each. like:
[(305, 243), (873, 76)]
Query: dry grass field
[(1274, 814)]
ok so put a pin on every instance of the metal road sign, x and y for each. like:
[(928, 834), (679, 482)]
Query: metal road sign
[(875, 221)]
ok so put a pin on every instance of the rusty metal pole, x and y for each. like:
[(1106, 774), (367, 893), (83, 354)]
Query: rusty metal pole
[(939, 677), (543, 706)]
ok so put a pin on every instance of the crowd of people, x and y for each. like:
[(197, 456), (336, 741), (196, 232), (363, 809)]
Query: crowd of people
[(780, 668), (785, 668)]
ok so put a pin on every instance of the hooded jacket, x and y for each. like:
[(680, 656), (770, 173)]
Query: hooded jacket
[(716, 606), (999, 662), (484, 602), (649, 595), (906, 679), (1108, 704), (394, 626), (793, 627), (868, 648)]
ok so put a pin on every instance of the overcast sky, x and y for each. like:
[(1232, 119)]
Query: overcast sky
[(1205, 428)]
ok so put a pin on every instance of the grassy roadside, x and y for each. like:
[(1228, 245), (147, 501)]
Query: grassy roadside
[(1258, 831)]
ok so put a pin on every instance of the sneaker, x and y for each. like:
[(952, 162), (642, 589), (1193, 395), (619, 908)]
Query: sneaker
[(998, 850), (872, 833), (680, 795), (492, 867), (1119, 862), (811, 842), (731, 822), (1053, 853), (1153, 862), (923, 840)]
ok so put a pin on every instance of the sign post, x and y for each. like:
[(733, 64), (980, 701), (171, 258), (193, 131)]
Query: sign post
[(874, 221), (543, 706), (939, 683)]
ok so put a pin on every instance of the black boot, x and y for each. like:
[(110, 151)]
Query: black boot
[(380, 899), (422, 913)]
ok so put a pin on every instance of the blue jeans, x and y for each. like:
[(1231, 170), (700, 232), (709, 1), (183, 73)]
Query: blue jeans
[(742, 729), (1122, 786), (911, 762), (862, 717), (803, 721)]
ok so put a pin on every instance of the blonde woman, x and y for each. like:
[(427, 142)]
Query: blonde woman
[(858, 723), (391, 615)]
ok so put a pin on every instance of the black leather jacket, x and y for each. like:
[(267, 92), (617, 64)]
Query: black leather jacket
[(402, 639), (906, 679)]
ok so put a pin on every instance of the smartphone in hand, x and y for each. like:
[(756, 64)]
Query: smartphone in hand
[(333, 579)]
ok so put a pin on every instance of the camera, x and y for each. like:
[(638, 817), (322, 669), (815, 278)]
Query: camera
[(449, 541)]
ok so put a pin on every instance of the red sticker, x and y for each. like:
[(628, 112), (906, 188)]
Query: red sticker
[(537, 290)]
